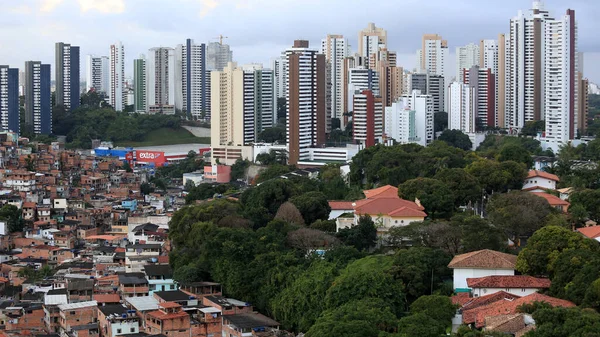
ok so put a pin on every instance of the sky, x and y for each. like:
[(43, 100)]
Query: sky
[(259, 30)]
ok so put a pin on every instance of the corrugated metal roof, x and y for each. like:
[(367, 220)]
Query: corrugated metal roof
[(55, 299), (78, 305), (143, 303)]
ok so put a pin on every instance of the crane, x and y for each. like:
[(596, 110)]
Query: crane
[(221, 37)]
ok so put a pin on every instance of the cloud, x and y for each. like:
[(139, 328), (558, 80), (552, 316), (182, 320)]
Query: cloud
[(207, 7), (103, 6), (48, 6), (22, 9)]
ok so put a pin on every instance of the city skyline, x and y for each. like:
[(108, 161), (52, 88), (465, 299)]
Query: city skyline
[(255, 34)]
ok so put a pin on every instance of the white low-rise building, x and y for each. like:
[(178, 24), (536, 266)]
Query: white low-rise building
[(540, 181), (520, 285), (481, 263)]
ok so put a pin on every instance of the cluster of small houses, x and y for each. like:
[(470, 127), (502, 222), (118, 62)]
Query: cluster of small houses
[(107, 245)]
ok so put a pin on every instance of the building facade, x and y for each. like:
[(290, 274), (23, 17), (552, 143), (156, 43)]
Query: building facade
[(370, 40), (97, 73), (367, 118), (9, 99), (139, 84), (410, 119), (336, 49), (306, 100), (67, 74), (433, 55), (466, 57), (193, 78), (163, 94), (38, 98), (483, 82), (116, 94), (463, 107), (218, 55)]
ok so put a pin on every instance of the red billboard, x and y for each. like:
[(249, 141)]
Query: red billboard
[(155, 157)]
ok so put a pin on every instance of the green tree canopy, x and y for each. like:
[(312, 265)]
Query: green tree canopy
[(457, 139), (313, 206), (433, 194), (363, 236)]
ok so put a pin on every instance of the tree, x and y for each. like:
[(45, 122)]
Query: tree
[(565, 322), (312, 205), (457, 139), (438, 234), (464, 187), (272, 172), (12, 215), (433, 194), (495, 177), (299, 305), (272, 135), (532, 128), (328, 226), (422, 270), (239, 168), (544, 247), (306, 239), (440, 121), (589, 200), (189, 185), (289, 213), (146, 188), (370, 277), (477, 233), (420, 325), (366, 317), (516, 153), (363, 236), (438, 307), (262, 202), (518, 214), (127, 167)]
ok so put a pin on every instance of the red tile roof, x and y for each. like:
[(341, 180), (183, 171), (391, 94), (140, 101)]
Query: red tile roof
[(542, 174), (516, 281), (341, 205), (469, 309), (484, 259), (552, 199), (389, 206), (591, 232), (163, 259), (29, 205), (461, 299), (107, 298), (381, 192), (506, 307)]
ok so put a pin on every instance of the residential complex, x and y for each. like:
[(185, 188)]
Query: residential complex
[(163, 94), (371, 40), (218, 55), (433, 55), (9, 99), (336, 49), (97, 73), (67, 73), (38, 98), (139, 84), (466, 57), (117, 76), (193, 77), (410, 119)]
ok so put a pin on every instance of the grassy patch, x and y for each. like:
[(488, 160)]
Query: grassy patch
[(166, 136)]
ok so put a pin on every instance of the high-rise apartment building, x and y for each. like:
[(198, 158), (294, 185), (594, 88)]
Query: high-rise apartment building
[(277, 64), (67, 75), (9, 99), (139, 84), (433, 55), (116, 93), (410, 119), (193, 78), (483, 82), (466, 57), (462, 114), (306, 89), (492, 56), (390, 75), (97, 73), (370, 40), (38, 98), (218, 55), (428, 84), (243, 104), (360, 79), (336, 49), (163, 89), (367, 118)]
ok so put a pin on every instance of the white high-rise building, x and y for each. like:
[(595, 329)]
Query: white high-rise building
[(561, 89), (466, 57), (163, 89), (191, 60), (463, 107), (490, 58), (433, 55), (410, 119), (336, 49), (277, 64), (98, 73), (359, 79), (367, 118), (483, 81), (116, 93), (370, 40)]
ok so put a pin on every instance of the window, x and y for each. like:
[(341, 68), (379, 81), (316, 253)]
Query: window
[(118, 330), (522, 290), (131, 329)]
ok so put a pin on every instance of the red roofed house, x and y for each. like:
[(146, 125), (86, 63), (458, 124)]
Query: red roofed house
[(169, 319), (480, 264), (540, 181), (592, 232), (554, 201), (520, 285), (384, 206)]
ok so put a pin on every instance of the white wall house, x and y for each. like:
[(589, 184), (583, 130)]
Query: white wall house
[(480, 264), (540, 181), (520, 285)]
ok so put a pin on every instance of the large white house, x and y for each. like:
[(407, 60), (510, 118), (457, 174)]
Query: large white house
[(540, 181), (481, 263)]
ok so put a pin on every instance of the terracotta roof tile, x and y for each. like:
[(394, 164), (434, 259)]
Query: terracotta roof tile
[(516, 281), (383, 191), (341, 205), (542, 174), (387, 205), (461, 298), (484, 259), (506, 307), (508, 324), (591, 232), (552, 199), (469, 309)]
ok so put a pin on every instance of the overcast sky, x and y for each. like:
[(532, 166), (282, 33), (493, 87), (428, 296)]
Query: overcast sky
[(259, 30)]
